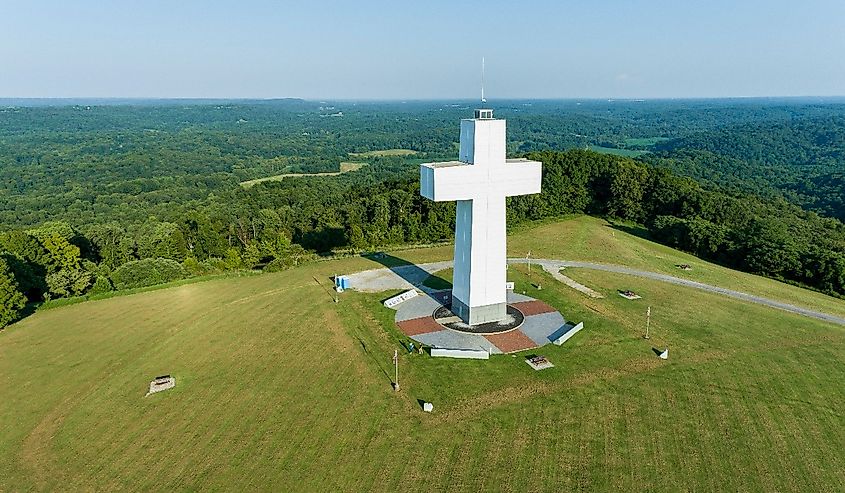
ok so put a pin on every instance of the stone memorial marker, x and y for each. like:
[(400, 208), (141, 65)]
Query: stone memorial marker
[(539, 363), (161, 383)]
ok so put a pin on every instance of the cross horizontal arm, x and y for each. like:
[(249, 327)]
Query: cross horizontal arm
[(517, 177), (455, 180), (442, 182)]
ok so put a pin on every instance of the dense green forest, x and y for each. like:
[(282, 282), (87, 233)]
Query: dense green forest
[(102, 197), (802, 159), (126, 162)]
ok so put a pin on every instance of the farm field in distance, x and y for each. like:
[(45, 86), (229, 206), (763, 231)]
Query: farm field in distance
[(280, 388), (345, 167), (383, 153), (644, 141), (617, 152)]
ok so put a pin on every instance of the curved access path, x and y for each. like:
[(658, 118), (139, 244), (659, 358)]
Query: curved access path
[(412, 276), (553, 267)]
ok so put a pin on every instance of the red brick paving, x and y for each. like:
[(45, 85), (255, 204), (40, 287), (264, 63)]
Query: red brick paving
[(512, 341), (417, 326), (535, 307)]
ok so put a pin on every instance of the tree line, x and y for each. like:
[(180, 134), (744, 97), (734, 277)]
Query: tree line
[(124, 163), (276, 225)]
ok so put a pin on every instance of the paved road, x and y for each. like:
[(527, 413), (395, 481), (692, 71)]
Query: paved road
[(556, 265)]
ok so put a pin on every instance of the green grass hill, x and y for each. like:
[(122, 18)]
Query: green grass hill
[(279, 388)]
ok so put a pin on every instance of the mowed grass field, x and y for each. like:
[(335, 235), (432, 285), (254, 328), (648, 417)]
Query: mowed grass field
[(279, 388), (617, 152)]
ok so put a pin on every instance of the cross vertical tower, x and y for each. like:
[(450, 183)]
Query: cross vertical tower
[(479, 182)]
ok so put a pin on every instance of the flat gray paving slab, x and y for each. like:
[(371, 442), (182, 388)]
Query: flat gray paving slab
[(457, 340), (516, 297), (390, 278), (419, 306), (540, 327)]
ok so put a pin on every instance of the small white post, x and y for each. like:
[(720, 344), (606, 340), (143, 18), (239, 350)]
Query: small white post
[(647, 321), (396, 370), (528, 258)]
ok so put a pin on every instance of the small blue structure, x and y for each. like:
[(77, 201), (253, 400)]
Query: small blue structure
[(341, 283)]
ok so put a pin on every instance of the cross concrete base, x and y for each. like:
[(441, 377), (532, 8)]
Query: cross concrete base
[(478, 315), (416, 320)]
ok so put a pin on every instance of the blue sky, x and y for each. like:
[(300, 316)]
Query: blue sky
[(421, 49)]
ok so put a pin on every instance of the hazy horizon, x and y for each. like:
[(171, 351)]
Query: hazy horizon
[(381, 51), (469, 101)]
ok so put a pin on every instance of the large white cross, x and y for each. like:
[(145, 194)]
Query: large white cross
[(479, 182)]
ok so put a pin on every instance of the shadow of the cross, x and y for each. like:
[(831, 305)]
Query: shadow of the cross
[(411, 273)]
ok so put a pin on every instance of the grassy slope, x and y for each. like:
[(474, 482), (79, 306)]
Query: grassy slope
[(280, 388)]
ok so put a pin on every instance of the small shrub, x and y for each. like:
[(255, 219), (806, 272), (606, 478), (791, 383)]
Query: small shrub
[(147, 272), (233, 259), (194, 267), (278, 265), (215, 265), (101, 285)]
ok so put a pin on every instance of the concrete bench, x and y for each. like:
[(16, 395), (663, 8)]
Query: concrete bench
[(460, 353), (565, 333)]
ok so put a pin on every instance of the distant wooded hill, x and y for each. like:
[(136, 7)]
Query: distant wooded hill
[(803, 159), (95, 163)]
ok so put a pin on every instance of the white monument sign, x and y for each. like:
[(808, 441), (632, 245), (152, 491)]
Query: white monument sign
[(479, 182), (399, 298)]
